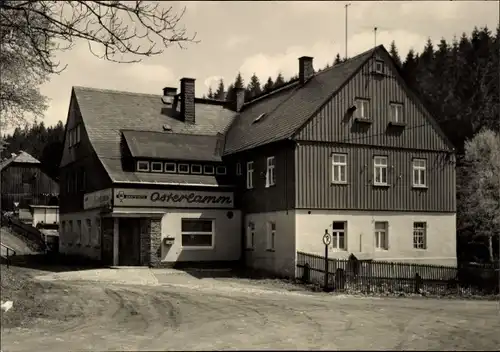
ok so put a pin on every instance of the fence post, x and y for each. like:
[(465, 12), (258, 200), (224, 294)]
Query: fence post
[(327, 239)]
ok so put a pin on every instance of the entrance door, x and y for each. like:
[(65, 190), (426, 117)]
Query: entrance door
[(129, 242)]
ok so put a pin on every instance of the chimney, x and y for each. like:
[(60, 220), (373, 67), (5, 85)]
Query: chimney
[(187, 100), (168, 95), (239, 99), (306, 69)]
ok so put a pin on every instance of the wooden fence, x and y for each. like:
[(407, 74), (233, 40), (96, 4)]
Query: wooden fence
[(377, 276)]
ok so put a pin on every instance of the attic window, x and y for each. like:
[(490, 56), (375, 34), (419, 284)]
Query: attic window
[(379, 66), (142, 166), (157, 166), (208, 170), (258, 118), (196, 169), (183, 168), (170, 167), (221, 170)]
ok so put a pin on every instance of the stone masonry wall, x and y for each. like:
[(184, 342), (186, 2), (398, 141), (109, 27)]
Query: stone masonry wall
[(150, 242), (107, 241)]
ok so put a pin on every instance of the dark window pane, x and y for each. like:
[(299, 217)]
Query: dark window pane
[(338, 225), (196, 225), (197, 240)]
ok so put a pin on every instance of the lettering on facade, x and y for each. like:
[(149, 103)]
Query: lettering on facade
[(97, 199), (190, 198), (135, 197)]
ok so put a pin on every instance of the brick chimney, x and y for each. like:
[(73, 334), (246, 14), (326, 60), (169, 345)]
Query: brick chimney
[(239, 99), (306, 69), (187, 100)]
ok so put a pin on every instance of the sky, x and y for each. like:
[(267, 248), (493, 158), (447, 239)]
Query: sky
[(267, 38)]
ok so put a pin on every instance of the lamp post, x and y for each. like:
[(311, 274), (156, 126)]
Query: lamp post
[(327, 239)]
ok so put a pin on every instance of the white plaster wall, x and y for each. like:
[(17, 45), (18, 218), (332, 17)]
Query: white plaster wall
[(282, 260), (441, 235), (90, 245), (227, 241)]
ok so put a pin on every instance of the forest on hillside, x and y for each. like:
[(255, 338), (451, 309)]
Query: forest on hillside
[(458, 82)]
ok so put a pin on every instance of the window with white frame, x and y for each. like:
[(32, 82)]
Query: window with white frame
[(379, 66), (238, 169), (220, 170), (250, 175), (79, 231), (88, 232), (362, 108), (208, 169), (420, 235), (396, 112), (419, 172), (270, 173), (183, 168), (271, 235), (197, 233), (157, 166), (339, 168), (381, 235), (170, 168), (97, 233), (380, 170), (339, 235), (250, 235), (196, 169), (142, 165)]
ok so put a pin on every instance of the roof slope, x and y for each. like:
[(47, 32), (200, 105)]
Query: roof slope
[(21, 158), (288, 109), (105, 113)]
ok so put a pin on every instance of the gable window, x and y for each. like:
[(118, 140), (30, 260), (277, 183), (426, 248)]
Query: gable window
[(170, 167), (142, 166), (221, 170), (197, 233), (339, 168), (74, 135), (339, 234), (380, 170), (271, 234), (270, 174), (379, 66), (250, 235), (250, 175), (196, 169), (238, 169), (419, 172), (381, 239), (419, 235), (396, 112), (208, 170), (183, 168), (362, 108), (157, 166)]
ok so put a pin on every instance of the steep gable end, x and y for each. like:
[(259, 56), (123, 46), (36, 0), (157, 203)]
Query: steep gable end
[(336, 121)]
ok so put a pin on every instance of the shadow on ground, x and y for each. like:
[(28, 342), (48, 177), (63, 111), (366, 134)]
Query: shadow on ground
[(52, 262)]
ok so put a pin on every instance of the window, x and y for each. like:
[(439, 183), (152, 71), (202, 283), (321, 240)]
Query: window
[(170, 167), (157, 166), (183, 168), (338, 234), (250, 175), (196, 169), (380, 170), (362, 108), (74, 135), (379, 66), (79, 231), (142, 166), (270, 174), (208, 170), (197, 233), (420, 235), (250, 235), (381, 239), (238, 169), (97, 223), (419, 171), (339, 168), (77, 133), (221, 170), (69, 231), (271, 234), (396, 112), (88, 232)]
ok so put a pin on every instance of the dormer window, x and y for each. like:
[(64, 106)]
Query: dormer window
[(196, 169), (208, 170), (221, 170), (157, 166), (379, 66), (143, 165), (362, 108), (183, 168), (170, 168)]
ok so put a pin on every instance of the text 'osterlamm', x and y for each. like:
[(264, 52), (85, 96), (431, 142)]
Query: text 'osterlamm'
[(190, 198)]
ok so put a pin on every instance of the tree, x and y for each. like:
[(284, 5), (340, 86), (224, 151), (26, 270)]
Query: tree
[(210, 93), (410, 68), (394, 53), (238, 83), (253, 88), (279, 81), (338, 60), (481, 200), (32, 32), (219, 93), (269, 85)]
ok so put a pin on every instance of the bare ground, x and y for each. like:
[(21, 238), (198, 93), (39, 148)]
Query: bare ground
[(182, 313)]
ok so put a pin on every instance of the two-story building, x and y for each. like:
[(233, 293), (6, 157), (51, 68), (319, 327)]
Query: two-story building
[(173, 178)]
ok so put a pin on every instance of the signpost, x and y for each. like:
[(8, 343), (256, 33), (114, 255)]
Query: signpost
[(327, 239)]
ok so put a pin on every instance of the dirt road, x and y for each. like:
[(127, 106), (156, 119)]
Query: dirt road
[(107, 316)]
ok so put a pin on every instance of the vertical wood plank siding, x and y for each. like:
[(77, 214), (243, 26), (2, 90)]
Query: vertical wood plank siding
[(315, 190), (332, 123)]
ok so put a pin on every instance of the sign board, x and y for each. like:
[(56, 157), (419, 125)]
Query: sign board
[(124, 197), (97, 199)]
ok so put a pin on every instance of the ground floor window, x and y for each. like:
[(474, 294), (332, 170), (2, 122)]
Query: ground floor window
[(420, 235), (381, 237), (197, 233), (339, 234), (250, 235), (271, 235)]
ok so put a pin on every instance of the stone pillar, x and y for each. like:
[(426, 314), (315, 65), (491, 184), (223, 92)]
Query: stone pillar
[(151, 242), (107, 241), (116, 239)]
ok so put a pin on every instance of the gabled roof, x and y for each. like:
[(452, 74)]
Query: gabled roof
[(166, 145), (20, 158), (106, 112), (287, 109)]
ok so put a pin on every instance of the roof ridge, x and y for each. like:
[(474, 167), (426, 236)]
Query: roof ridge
[(347, 61), (114, 91), (169, 133)]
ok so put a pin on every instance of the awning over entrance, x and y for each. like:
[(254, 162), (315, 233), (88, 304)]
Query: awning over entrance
[(133, 213)]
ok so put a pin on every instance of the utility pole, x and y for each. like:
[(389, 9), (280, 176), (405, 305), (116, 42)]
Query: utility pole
[(346, 6)]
